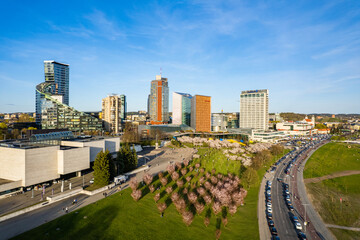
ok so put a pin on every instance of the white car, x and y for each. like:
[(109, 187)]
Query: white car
[(269, 204), (298, 226), (269, 209)]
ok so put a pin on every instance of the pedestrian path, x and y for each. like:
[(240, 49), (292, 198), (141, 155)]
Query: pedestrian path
[(343, 227)]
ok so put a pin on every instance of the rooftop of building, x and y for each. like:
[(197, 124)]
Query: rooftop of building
[(184, 94), (53, 61), (255, 91)]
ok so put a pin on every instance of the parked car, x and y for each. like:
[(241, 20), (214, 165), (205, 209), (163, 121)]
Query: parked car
[(295, 218), (269, 215), (271, 223), (269, 209), (92, 181), (274, 237), (291, 208), (298, 226), (273, 231), (302, 236), (269, 204)]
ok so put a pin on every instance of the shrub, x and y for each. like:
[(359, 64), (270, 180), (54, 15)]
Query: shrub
[(180, 183), (161, 207), (147, 178), (183, 171), (188, 178), (207, 199), (175, 176), (199, 207), (192, 197), (216, 207), (180, 205), (201, 191), (163, 181), (136, 195), (206, 221), (133, 183), (169, 189), (152, 188), (170, 168), (197, 165), (188, 217), (185, 191), (175, 196), (178, 165), (157, 197), (232, 209)]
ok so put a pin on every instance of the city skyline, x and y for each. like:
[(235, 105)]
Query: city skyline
[(306, 54)]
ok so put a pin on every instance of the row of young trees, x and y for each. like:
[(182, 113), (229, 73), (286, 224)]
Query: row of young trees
[(106, 167)]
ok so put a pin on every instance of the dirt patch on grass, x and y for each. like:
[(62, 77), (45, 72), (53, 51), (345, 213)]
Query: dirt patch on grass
[(330, 176)]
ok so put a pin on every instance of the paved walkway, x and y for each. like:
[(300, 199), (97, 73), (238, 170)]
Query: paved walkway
[(317, 228), (333, 175), (343, 227), (264, 231)]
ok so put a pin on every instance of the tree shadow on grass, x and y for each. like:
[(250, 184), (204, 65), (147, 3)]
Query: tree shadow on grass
[(218, 223), (95, 224), (168, 202), (224, 212), (144, 191)]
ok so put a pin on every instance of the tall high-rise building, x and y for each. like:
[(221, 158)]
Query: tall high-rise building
[(159, 100), (201, 113), (254, 109), (113, 112), (51, 102), (58, 73), (181, 108)]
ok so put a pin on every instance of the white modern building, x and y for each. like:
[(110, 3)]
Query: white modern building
[(254, 109), (45, 159), (181, 108)]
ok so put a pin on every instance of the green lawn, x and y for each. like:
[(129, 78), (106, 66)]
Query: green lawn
[(120, 217), (333, 157), (345, 234), (326, 198)]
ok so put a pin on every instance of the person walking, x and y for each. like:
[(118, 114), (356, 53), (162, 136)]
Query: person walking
[(66, 209)]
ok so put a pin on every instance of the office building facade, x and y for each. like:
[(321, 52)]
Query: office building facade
[(201, 113), (114, 112), (58, 73), (159, 100), (181, 108), (51, 98), (254, 109)]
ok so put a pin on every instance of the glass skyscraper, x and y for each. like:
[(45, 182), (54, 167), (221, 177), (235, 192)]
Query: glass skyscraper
[(58, 73), (181, 108), (52, 96)]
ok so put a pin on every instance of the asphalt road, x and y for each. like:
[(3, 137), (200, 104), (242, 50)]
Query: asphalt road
[(281, 213), (30, 220)]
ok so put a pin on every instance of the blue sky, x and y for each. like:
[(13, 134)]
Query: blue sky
[(307, 53)]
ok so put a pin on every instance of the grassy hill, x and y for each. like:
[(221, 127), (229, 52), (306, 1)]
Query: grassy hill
[(333, 157)]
